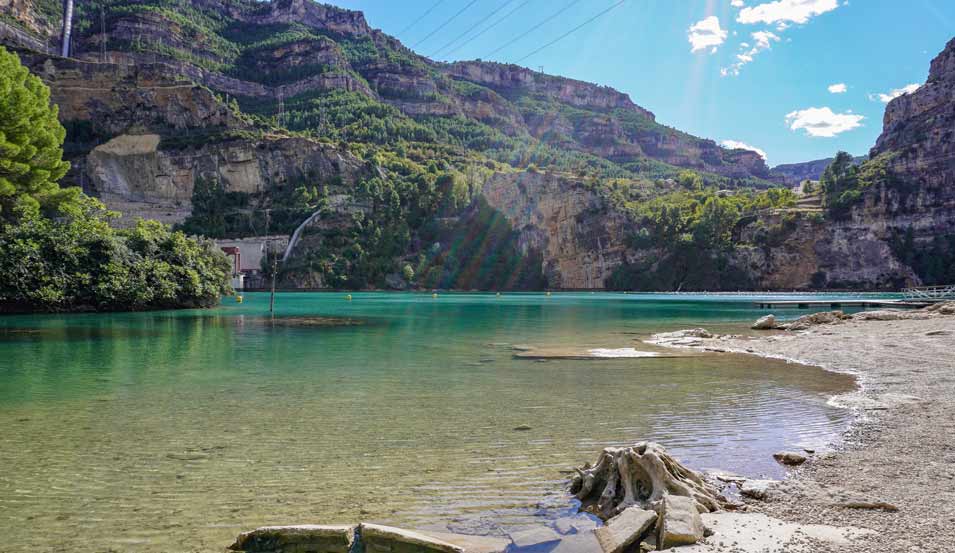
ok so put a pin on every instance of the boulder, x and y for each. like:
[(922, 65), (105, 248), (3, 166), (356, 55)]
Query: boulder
[(757, 489), (824, 317), (624, 529), (765, 323), (790, 458), (386, 539), (307, 538), (879, 315), (679, 522)]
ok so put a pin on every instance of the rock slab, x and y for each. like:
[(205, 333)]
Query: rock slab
[(679, 522), (306, 538), (625, 529), (387, 539)]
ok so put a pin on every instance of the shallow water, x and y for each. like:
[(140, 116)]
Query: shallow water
[(175, 431)]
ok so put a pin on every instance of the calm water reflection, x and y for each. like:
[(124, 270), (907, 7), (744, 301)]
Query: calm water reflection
[(173, 431)]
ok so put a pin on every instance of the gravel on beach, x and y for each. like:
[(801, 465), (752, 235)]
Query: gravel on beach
[(894, 473)]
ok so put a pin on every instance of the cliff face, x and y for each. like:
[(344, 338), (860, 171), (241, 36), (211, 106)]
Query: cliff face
[(142, 135), (822, 254), (579, 235), (293, 50), (792, 174), (919, 135)]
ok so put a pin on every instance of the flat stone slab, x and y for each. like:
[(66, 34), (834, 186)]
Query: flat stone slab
[(535, 537), (624, 529), (387, 539), (758, 533), (680, 522), (306, 538), (594, 353), (472, 544)]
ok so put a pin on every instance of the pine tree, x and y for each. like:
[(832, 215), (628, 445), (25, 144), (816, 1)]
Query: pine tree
[(31, 144)]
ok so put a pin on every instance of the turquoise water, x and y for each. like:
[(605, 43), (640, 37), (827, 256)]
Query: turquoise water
[(173, 431)]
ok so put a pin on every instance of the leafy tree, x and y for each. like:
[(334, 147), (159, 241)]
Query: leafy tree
[(31, 144), (78, 262)]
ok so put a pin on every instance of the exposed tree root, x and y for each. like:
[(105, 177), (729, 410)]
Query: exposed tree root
[(639, 476)]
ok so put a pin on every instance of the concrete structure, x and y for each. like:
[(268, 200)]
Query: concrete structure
[(247, 255)]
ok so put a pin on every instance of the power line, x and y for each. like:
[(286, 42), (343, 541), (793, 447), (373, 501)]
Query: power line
[(534, 28), (445, 24), (476, 25), (418, 20), (570, 32), (489, 27)]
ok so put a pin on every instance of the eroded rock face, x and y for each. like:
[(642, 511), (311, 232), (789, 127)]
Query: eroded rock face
[(133, 174), (579, 235)]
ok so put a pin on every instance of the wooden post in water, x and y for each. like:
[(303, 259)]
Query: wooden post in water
[(268, 249)]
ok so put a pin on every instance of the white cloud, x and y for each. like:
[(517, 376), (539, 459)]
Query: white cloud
[(782, 12), (737, 3), (838, 88), (822, 122), (737, 145), (762, 41), (887, 97), (705, 34)]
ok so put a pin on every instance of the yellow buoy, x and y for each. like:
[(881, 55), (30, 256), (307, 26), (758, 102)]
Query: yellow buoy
[(435, 295), (238, 299), (498, 294), (348, 297), (548, 293)]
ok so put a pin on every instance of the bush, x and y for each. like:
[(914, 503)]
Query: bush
[(78, 262)]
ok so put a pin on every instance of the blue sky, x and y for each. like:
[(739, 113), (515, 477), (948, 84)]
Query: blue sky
[(778, 102)]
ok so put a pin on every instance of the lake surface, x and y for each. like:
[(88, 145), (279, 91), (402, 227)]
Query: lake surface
[(173, 431)]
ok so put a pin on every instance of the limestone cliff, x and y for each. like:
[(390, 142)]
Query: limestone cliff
[(918, 139), (576, 230)]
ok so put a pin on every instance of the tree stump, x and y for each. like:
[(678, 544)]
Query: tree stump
[(639, 476)]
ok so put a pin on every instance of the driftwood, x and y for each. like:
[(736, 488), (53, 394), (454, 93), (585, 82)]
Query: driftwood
[(640, 476)]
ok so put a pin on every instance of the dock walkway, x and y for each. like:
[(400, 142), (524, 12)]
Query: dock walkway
[(840, 304)]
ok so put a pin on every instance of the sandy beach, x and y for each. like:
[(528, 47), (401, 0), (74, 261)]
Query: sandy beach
[(890, 484)]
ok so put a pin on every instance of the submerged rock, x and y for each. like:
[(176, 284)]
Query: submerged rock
[(535, 537), (380, 539), (296, 539)]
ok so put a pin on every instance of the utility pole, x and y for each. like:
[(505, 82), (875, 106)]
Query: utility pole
[(67, 28), (268, 249), (102, 33)]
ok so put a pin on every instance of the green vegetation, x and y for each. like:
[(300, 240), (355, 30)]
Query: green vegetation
[(78, 263), (31, 140), (693, 231), (57, 250), (933, 262), (844, 183)]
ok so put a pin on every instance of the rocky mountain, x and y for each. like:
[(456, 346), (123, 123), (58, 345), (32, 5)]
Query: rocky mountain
[(240, 118), (791, 174)]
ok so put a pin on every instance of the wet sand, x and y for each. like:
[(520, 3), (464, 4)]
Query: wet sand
[(894, 472)]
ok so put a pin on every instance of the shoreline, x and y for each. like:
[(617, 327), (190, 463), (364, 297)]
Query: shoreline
[(892, 474)]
